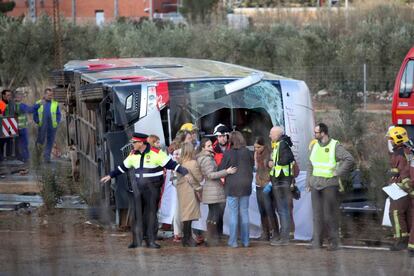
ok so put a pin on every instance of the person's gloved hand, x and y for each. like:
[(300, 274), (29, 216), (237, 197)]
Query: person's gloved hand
[(267, 188)]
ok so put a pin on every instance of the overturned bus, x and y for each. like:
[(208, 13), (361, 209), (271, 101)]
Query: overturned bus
[(108, 99)]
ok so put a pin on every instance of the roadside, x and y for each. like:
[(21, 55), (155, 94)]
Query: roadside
[(64, 244)]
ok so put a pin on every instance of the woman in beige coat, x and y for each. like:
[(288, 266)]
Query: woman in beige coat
[(186, 191), (213, 191)]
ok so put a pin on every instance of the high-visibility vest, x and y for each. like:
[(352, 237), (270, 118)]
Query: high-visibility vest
[(147, 165), (277, 169), (21, 117), (323, 159), (53, 109)]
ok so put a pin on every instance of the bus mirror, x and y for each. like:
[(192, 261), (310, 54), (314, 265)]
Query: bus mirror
[(243, 83)]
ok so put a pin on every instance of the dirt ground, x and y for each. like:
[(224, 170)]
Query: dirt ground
[(63, 244)]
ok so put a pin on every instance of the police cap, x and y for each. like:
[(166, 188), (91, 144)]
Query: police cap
[(141, 137)]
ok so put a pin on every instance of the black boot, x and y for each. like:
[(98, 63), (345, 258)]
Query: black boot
[(188, 240), (212, 234), (400, 244), (265, 229)]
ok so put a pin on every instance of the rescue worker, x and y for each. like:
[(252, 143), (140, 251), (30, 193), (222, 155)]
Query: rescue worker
[(148, 164), (6, 109), (281, 176), (221, 144), (47, 116), (400, 174), (219, 147), (192, 130), (23, 139), (328, 161)]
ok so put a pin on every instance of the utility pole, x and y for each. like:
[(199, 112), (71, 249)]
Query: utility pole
[(74, 12), (116, 11), (57, 35), (32, 10), (151, 10)]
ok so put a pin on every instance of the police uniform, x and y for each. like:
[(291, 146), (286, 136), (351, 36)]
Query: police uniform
[(148, 169)]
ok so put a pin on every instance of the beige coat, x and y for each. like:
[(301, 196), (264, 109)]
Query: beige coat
[(189, 204), (213, 190)]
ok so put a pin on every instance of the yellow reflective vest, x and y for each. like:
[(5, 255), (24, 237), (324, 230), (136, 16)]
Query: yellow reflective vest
[(277, 169), (323, 159), (53, 109), (147, 165)]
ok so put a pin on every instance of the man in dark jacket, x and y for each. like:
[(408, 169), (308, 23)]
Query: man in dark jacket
[(281, 175)]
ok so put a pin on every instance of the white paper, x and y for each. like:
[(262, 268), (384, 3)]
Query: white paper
[(386, 221), (394, 192)]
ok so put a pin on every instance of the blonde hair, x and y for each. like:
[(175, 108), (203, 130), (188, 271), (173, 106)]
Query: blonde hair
[(187, 152)]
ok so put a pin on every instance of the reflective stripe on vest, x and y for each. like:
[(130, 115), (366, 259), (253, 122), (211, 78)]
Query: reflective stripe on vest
[(152, 167), (53, 109), (323, 159), (277, 169), (21, 117)]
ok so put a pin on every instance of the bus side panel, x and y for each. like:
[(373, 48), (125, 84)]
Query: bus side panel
[(299, 117)]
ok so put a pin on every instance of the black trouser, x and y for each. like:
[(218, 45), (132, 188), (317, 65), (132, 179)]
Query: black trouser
[(325, 205), (215, 213), (6, 147), (267, 208), (146, 198), (282, 195)]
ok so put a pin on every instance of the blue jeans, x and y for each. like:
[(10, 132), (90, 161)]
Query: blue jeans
[(238, 205), (282, 195), (23, 145)]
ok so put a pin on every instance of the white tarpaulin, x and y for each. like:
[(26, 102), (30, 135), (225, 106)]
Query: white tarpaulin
[(302, 211)]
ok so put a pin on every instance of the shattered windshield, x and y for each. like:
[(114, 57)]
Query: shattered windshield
[(191, 101)]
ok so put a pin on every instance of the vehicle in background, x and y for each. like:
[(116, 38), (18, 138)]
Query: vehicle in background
[(403, 98), (173, 17)]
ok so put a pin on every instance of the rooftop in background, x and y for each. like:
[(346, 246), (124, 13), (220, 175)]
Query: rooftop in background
[(93, 10)]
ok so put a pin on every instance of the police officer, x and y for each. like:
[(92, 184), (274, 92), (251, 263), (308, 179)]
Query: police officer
[(148, 164), (328, 161)]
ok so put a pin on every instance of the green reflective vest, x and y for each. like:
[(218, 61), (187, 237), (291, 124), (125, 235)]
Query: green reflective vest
[(21, 117), (53, 109), (323, 159), (277, 169)]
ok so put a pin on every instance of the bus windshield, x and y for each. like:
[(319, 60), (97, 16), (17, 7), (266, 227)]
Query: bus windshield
[(253, 110)]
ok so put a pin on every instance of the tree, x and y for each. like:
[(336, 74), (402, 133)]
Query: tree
[(6, 6), (198, 9)]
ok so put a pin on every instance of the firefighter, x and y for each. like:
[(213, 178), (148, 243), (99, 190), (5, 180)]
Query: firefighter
[(221, 144), (192, 130), (400, 174), (47, 116), (281, 176), (148, 164), (328, 161), (219, 147)]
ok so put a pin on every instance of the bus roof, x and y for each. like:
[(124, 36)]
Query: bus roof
[(160, 68)]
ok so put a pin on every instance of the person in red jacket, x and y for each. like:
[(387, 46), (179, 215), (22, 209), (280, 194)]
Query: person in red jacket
[(221, 144)]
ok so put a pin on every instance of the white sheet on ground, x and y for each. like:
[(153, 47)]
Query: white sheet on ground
[(302, 211)]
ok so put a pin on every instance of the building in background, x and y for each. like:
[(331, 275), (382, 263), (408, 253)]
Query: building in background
[(98, 11)]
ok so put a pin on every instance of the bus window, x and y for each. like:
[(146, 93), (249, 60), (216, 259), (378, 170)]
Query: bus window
[(406, 84)]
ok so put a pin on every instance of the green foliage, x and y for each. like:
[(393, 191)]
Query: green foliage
[(198, 10), (6, 6), (51, 186)]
